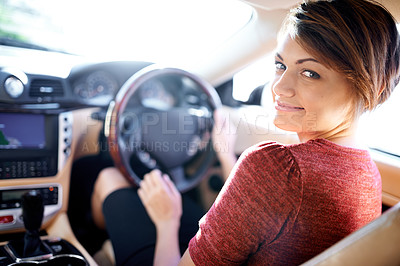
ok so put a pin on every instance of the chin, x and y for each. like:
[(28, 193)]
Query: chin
[(287, 124)]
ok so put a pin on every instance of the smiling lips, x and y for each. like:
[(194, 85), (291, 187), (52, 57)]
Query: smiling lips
[(280, 106)]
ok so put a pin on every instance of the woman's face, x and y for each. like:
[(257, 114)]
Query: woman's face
[(309, 98)]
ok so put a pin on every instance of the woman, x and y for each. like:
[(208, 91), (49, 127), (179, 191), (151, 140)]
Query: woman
[(284, 204)]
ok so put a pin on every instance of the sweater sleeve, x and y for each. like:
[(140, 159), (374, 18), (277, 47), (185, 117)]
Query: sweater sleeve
[(258, 203)]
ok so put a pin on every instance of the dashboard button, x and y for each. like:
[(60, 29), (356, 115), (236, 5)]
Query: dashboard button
[(6, 219)]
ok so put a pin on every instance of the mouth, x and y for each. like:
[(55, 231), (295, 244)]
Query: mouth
[(285, 107)]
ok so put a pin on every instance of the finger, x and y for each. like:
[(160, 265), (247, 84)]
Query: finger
[(217, 119), (155, 177), (148, 179), (164, 184), (145, 184), (155, 172), (171, 186), (142, 196), (159, 186)]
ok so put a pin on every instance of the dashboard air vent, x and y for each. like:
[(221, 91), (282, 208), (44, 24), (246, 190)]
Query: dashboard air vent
[(46, 88)]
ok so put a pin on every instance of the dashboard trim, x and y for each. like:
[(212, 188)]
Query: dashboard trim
[(49, 210), (64, 138)]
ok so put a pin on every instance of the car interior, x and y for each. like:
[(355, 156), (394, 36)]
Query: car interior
[(66, 114)]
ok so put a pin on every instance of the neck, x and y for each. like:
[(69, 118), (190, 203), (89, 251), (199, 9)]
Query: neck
[(341, 135)]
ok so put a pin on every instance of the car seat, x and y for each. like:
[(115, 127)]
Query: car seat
[(377, 243)]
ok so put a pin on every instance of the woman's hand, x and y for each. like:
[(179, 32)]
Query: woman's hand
[(163, 203), (224, 132), (224, 139), (161, 199)]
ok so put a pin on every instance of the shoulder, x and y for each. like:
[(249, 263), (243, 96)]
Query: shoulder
[(323, 152), (267, 166), (266, 146), (267, 154)]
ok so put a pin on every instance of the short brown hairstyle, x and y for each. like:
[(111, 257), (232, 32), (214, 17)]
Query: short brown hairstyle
[(355, 37)]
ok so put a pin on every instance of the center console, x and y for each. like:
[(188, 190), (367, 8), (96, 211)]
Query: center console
[(32, 249), (33, 145), (60, 252)]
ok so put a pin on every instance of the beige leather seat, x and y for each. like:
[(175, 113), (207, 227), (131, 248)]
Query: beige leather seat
[(378, 243), (105, 256)]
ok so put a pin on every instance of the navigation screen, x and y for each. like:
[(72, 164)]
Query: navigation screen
[(22, 131)]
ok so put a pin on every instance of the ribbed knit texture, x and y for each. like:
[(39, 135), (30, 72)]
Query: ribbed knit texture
[(282, 205)]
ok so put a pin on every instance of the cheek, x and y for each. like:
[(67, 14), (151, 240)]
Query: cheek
[(289, 122), (318, 114), (310, 122), (326, 113)]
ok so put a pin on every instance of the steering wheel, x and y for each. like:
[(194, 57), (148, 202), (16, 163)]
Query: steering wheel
[(163, 118)]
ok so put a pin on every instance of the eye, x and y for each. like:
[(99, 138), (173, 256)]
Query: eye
[(311, 74), (279, 66)]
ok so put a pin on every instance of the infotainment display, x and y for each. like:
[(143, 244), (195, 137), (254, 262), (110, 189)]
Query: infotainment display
[(22, 131), (28, 144)]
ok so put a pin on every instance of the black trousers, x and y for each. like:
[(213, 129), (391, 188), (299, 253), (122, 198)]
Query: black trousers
[(133, 234)]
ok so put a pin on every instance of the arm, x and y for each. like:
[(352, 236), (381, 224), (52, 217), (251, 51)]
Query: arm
[(224, 138), (186, 259), (163, 203), (167, 246), (227, 162)]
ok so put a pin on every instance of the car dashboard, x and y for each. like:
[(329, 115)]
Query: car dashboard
[(49, 117), (78, 84)]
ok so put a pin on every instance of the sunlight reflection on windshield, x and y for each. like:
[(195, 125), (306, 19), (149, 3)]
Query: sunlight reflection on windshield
[(151, 30)]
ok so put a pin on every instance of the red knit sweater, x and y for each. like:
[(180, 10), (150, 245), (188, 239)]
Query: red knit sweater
[(282, 205)]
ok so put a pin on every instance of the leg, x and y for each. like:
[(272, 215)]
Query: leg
[(133, 234), (108, 181), (116, 205), (131, 231)]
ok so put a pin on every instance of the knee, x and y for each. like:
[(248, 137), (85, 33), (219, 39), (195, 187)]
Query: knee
[(108, 180)]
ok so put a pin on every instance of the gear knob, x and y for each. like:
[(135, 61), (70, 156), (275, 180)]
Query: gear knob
[(32, 210)]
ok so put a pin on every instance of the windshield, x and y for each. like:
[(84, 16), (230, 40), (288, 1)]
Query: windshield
[(152, 30)]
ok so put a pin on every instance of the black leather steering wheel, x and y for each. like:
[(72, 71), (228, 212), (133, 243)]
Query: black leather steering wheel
[(163, 118)]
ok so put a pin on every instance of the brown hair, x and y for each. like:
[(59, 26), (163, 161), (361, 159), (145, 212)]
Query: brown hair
[(355, 37)]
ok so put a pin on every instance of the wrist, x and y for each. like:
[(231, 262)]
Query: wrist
[(168, 226)]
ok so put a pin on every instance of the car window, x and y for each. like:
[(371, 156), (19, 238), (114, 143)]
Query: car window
[(152, 30), (252, 76), (378, 129)]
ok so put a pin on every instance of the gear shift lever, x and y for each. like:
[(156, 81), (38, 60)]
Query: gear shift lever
[(32, 214), (31, 246), (31, 249)]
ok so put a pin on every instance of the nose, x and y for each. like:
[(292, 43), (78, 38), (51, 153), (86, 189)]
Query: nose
[(284, 85)]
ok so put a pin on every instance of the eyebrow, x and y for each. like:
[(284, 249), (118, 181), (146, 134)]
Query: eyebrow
[(300, 61)]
